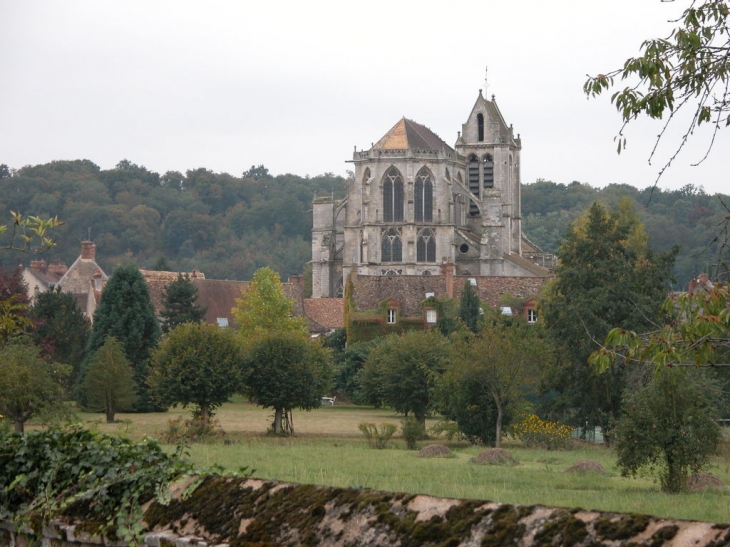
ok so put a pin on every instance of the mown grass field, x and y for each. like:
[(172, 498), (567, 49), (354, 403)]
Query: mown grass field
[(329, 449)]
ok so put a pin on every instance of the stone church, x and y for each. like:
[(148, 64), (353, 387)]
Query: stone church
[(416, 205)]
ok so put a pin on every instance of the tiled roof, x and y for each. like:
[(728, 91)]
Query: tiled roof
[(328, 312), (407, 134), (217, 295), (79, 276), (529, 265)]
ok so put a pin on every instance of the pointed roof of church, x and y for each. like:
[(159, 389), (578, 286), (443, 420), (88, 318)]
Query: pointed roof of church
[(407, 134), (504, 132)]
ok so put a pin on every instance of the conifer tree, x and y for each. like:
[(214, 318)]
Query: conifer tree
[(126, 313), (61, 329), (469, 308), (109, 383), (179, 303)]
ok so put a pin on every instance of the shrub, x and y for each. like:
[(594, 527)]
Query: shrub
[(81, 473), (377, 438), (412, 431), (669, 428), (535, 432), (181, 431)]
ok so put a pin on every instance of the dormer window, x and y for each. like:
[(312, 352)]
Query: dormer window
[(531, 316), (390, 318)]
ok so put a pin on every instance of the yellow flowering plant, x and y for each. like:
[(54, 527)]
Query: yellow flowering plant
[(534, 432)]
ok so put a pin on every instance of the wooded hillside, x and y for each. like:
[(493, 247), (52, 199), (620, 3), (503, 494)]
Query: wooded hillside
[(230, 226)]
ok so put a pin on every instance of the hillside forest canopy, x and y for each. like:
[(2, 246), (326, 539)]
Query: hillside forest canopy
[(228, 226)]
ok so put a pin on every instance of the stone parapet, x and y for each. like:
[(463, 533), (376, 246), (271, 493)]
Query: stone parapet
[(246, 511)]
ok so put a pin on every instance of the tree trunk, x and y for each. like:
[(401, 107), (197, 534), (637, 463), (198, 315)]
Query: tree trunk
[(421, 418), (498, 433), (205, 413), (110, 414), (19, 426), (277, 420)]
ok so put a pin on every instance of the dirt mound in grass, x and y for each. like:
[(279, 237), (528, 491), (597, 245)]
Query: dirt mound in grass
[(703, 481), (495, 456), (586, 466), (435, 451)]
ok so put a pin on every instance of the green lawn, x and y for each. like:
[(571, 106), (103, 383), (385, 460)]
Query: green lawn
[(328, 449)]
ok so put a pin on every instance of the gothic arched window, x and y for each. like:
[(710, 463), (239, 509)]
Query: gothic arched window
[(488, 165), (391, 247), (423, 198), (393, 196), (366, 176), (480, 127), (426, 246)]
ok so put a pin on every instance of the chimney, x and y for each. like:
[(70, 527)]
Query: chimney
[(447, 270), (57, 269), (38, 265), (88, 250)]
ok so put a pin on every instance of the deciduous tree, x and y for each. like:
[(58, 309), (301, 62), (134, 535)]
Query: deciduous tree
[(284, 371), (688, 70), (669, 427), (489, 375), (403, 371), (196, 365), (264, 308), (29, 384), (109, 382)]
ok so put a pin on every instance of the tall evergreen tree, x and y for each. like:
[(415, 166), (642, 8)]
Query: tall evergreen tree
[(61, 329), (179, 303), (607, 277), (469, 308), (126, 313)]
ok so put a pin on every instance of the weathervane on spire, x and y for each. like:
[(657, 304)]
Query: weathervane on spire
[(486, 81)]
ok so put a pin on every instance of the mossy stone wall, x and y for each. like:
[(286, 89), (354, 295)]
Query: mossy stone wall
[(239, 512)]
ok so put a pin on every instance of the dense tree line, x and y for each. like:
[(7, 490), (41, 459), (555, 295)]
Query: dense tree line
[(231, 226), (687, 217), (226, 226)]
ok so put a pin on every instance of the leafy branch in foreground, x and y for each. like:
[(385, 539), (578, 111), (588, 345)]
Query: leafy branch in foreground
[(688, 69), (698, 335), (77, 473), (29, 234)]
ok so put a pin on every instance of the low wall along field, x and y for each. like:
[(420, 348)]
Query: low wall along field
[(252, 512)]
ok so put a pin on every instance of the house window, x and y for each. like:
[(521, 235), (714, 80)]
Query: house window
[(391, 317), (423, 198), (431, 317), (391, 249), (488, 171), (426, 246), (393, 196), (222, 322), (480, 127), (531, 316)]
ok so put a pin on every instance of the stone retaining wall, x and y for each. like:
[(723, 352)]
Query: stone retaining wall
[(240, 512)]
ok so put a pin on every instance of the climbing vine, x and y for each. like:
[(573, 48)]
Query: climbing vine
[(76, 473)]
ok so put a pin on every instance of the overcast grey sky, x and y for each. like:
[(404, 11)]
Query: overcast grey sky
[(296, 85)]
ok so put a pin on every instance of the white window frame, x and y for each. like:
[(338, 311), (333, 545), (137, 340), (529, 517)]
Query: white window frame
[(431, 317), (531, 316), (391, 317)]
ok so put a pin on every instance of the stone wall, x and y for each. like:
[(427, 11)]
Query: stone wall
[(246, 512)]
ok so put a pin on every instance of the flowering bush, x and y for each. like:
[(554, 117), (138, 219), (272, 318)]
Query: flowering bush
[(535, 432)]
